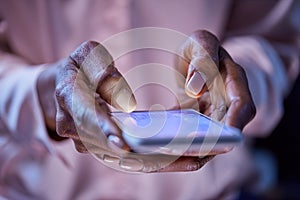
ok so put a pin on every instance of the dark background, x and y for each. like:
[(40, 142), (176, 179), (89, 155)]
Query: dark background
[(284, 143)]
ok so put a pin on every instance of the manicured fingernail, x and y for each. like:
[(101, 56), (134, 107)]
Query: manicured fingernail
[(116, 141), (131, 164), (124, 100), (111, 159), (195, 84)]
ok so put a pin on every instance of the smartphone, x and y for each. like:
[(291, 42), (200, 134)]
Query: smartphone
[(176, 132)]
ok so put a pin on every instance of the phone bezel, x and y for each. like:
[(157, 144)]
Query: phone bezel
[(198, 145)]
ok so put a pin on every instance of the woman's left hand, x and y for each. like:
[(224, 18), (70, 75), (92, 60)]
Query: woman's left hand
[(218, 83)]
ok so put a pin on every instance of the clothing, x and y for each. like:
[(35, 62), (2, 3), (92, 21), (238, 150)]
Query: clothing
[(41, 32)]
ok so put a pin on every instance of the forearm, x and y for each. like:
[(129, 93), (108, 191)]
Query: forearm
[(19, 106), (21, 114)]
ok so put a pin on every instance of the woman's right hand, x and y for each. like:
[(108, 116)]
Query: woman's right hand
[(82, 85)]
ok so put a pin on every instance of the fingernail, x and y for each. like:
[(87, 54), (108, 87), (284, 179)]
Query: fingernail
[(111, 159), (124, 100), (195, 84), (131, 164), (116, 141)]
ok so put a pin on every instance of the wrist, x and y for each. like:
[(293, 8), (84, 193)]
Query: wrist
[(45, 88)]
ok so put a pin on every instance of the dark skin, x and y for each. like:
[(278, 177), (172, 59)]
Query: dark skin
[(237, 102), (56, 91)]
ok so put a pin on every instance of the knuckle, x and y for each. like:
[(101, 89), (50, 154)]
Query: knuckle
[(79, 54), (59, 93), (62, 91), (204, 35), (64, 124), (252, 109), (80, 147), (205, 43), (246, 100), (199, 163), (195, 166), (89, 44), (246, 105), (64, 84), (241, 70)]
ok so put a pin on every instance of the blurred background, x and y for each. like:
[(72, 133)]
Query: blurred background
[(283, 145)]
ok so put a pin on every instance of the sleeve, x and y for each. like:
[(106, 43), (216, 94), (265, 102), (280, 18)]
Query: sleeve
[(269, 79), (24, 141), (20, 112), (21, 118), (270, 58)]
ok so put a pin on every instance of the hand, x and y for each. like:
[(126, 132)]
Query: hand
[(218, 83), (83, 84)]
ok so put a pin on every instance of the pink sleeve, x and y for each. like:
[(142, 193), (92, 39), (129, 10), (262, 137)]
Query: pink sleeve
[(24, 142), (21, 118), (270, 79)]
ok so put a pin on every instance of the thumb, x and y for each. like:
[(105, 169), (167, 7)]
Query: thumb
[(98, 65), (200, 52), (116, 91)]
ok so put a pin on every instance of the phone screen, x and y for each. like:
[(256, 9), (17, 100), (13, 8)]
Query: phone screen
[(188, 129)]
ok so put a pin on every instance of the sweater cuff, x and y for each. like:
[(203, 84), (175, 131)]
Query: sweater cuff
[(20, 110)]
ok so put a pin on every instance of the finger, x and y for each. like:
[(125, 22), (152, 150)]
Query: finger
[(241, 108), (102, 104), (185, 164), (204, 104), (200, 59), (98, 66), (218, 94), (77, 100), (153, 163), (80, 147), (65, 126), (92, 118)]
